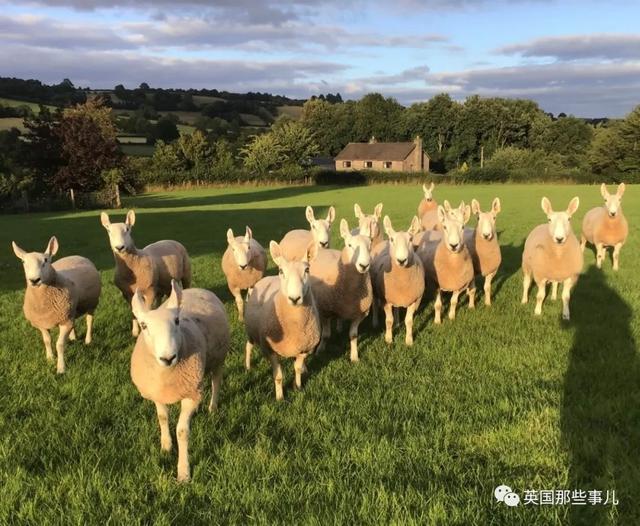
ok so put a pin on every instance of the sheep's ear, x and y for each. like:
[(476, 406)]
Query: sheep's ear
[(475, 206), (603, 191), (461, 207), (378, 210), (138, 305), (104, 219), (276, 252), (546, 206), (442, 214), (312, 251), (387, 226), (447, 205), (425, 190), (344, 229), (496, 206), (357, 211), (466, 214), (52, 246), (331, 215), (415, 226), (573, 206), (230, 237), (131, 218), (309, 214), (175, 298), (18, 251), (432, 187), (621, 189), (248, 234)]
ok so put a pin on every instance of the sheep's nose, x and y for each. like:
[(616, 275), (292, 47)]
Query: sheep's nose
[(363, 268), (486, 236), (559, 239), (295, 300), (324, 244), (612, 214), (120, 248), (35, 281), (402, 262), (242, 267), (454, 246), (167, 362)]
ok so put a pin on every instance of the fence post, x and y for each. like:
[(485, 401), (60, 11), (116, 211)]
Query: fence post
[(73, 199)]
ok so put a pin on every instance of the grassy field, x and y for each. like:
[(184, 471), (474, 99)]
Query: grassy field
[(15, 102), (408, 435), (6, 123)]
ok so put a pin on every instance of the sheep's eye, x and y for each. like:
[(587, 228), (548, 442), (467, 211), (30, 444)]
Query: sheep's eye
[(177, 321), (143, 326)]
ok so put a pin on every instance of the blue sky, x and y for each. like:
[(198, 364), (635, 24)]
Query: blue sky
[(580, 57)]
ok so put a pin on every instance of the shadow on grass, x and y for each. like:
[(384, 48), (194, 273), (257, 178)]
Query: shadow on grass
[(601, 403), (511, 263)]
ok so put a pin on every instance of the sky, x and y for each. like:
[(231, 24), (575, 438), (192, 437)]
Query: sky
[(576, 57)]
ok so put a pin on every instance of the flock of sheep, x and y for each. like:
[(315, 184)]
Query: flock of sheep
[(185, 340)]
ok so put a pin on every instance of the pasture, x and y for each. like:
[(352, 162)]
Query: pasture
[(407, 435)]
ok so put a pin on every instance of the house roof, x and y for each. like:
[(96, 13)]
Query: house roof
[(377, 151)]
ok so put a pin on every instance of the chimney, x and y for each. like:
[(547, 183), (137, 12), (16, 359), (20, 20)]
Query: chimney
[(417, 154), (373, 140)]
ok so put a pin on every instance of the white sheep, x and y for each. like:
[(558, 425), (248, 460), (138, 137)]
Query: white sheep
[(281, 315), (341, 284), (149, 270), (369, 225), (430, 221), (482, 243), (447, 261), (295, 242), (428, 203), (397, 275), (57, 294), (552, 254), (606, 226), (243, 264), (182, 343)]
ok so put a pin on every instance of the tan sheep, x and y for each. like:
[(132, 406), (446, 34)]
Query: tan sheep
[(482, 243), (397, 275), (243, 264), (57, 294), (182, 343), (606, 226), (369, 225), (430, 220), (149, 270), (341, 284), (295, 242), (447, 261), (428, 203), (281, 315), (552, 254)]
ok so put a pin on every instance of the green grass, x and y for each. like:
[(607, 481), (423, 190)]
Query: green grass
[(408, 435), (6, 123), (15, 102)]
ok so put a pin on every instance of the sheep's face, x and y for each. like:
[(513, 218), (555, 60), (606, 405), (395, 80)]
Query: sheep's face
[(321, 228), (358, 248), (401, 243), (455, 213), (160, 328), (37, 266), (120, 233), (613, 203), (369, 224), (240, 248), (486, 220), (294, 275), (453, 227), (560, 222), (428, 192)]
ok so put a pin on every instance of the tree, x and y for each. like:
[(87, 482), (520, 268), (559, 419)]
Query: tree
[(166, 129), (377, 117), (605, 152), (629, 133), (262, 154), (568, 136), (297, 143)]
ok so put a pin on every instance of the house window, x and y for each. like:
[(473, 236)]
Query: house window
[(388, 164), (368, 164), (346, 164)]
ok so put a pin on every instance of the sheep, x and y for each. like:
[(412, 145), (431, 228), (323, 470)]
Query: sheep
[(182, 342), (149, 270), (606, 226), (397, 275), (341, 284), (281, 315), (430, 222), (243, 264), (482, 243), (428, 203), (447, 261), (369, 224), (57, 294), (295, 242), (552, 253)]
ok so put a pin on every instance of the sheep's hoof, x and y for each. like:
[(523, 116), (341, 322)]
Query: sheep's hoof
[(537, 312), (565, 316), (166, 446), (355, 359), (60, 370), (437, 321), (409, 341), (524, 301), (87, 341), (388, 338), (50, 357), (487, 303), (184, 477)]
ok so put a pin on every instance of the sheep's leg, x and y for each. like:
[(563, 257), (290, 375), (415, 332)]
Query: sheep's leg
[(299, 368), (616, 256), (88, 336), (188, 407), (216, 382), (408, 321), (453, 305), (542, 285), (554, 290), (353, 338), (46, 338), (135, 328), (487, 288), (339, 325), (163, 421), (599, 255), (388, 319), (72, 334), (566, 296), (471, 292), (326, 328), (237, 294), (247, 355), (61, 344), (396, 316), (437, 307), (277, 375), (583, 242), (526, 285), (375, 313)]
